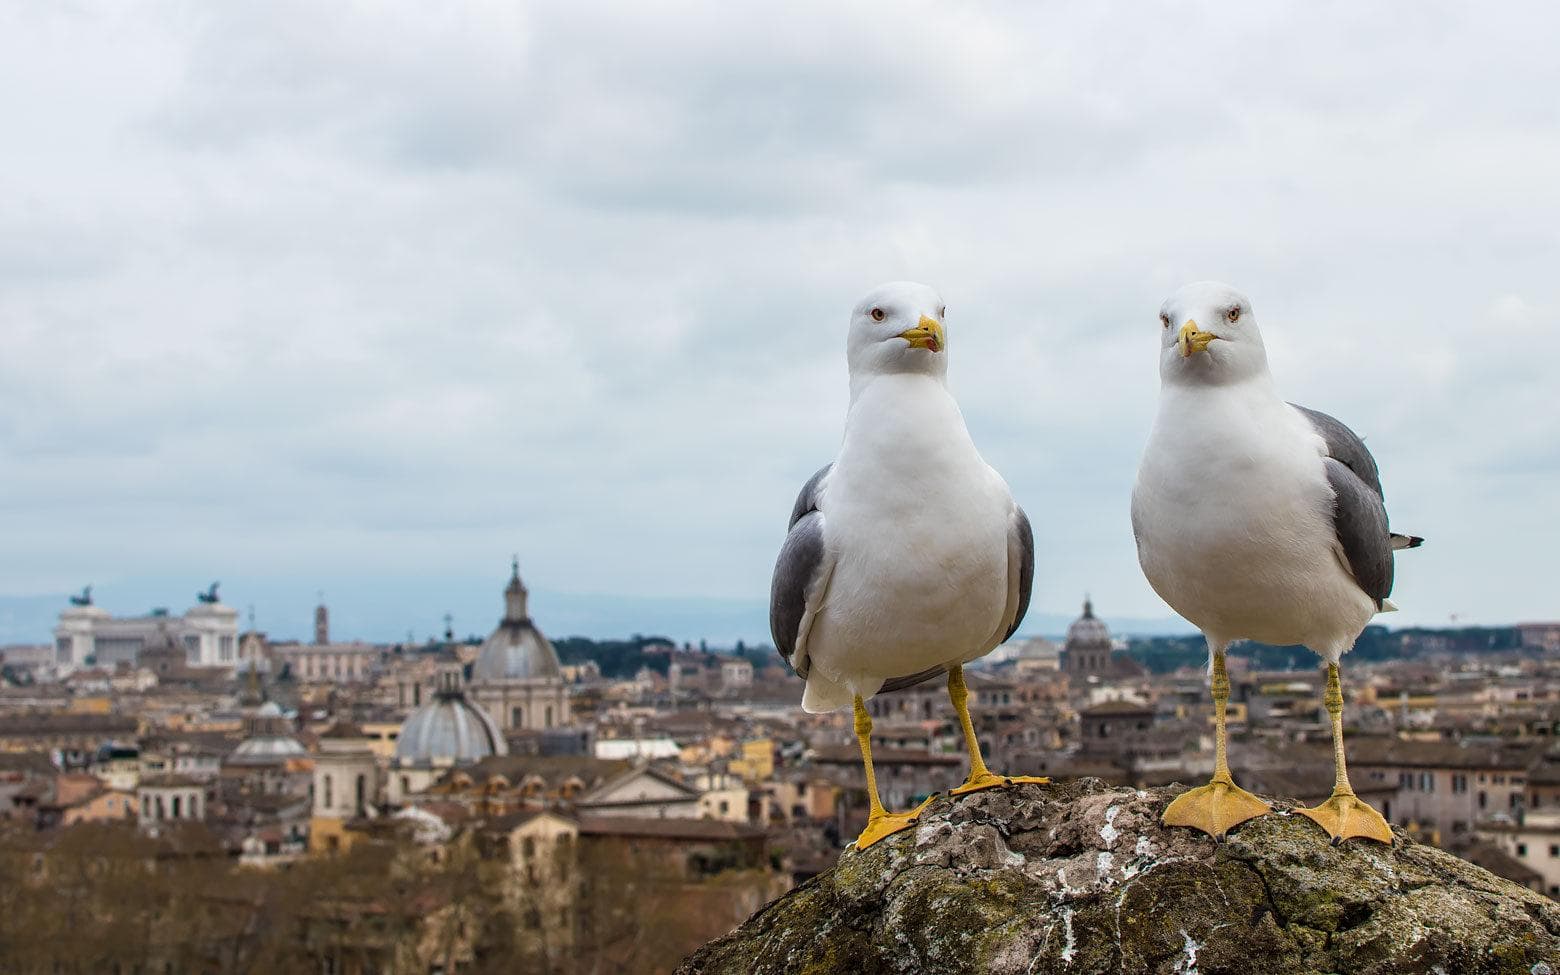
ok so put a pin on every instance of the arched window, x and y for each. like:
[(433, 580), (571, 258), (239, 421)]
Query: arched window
[(175, 807)]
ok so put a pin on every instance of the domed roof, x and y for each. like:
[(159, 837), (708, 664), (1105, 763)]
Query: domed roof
[(517, 650), (449, 728), (268, 738), (267, 748), (1088, 631)]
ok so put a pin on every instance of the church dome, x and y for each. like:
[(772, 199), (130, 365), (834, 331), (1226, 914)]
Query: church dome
[(269, 739), (449, 728), (517, 650), (1088, 631)]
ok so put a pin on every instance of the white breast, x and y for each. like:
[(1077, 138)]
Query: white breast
[(918, 525), (1234, 520)]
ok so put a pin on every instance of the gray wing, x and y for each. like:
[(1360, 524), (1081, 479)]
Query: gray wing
[(797, 587), (1021, 542), (1345, 446), (800, 575), (1360, 522), (807, 500), (1359, 512), (801, 578)]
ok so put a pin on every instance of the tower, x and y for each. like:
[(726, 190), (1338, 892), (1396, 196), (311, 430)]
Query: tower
[(321, 623)]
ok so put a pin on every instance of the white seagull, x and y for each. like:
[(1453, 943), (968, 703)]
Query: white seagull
[(1257, 519), (907, 556)]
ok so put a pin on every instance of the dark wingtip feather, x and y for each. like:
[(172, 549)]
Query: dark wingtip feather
[(1406, 541)]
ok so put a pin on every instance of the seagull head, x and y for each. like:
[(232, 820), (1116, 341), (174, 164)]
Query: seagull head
[(898, 327), (1208, 335)]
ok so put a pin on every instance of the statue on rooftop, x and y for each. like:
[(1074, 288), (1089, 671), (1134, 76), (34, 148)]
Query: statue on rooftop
[(210, 595)]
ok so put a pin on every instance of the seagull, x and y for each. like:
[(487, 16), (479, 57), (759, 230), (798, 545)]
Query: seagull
[(906, 557), (1257, 519)]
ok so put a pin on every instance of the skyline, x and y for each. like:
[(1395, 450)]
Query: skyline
[(284, 612), (365, 300)]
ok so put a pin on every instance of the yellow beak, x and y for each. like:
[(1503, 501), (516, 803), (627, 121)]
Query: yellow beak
[(1191, 340), (927, 334)]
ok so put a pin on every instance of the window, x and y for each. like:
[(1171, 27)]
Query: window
[(1554, 849), (548, 720), (330, 792), (1521, 849), (517, 717), (1484, 799), (1459, 783), (174, 805)]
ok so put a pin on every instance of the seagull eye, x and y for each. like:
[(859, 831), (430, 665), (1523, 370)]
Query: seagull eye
[(877, 315), (1234, 314)]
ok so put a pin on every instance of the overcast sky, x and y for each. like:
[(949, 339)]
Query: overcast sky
[(366, 297)]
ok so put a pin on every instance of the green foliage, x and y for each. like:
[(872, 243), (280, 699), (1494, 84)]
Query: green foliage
[(1162, 654), (619, 659)]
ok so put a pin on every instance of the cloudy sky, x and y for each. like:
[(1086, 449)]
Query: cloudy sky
[(363, 298)]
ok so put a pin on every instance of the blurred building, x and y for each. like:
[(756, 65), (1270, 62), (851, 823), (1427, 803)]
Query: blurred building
[(207, 634), (516, 677)]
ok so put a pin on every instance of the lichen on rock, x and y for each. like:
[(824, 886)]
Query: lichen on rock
[(1080, 878)]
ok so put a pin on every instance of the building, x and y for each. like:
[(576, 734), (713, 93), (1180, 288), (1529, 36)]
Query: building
[(646, 791), (170, 798), (269, 761), (1544, 636), (326, 663), (88, 635), (448, 731), (516, 676), (1534, 842), (1445, 788), (1088, 654), (346, 784)]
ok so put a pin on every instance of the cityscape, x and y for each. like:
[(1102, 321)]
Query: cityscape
[(750, 489), (473, 805)]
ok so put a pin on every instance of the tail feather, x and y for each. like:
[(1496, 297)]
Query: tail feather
[(1406, 541)]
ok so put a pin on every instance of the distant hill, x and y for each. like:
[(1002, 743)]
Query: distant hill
[(1162, 654)]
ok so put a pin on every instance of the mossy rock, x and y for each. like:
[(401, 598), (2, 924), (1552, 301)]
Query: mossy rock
[(1080, 878)]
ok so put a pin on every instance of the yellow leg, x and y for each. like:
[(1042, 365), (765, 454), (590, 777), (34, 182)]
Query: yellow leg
[(1344, 815), (980, 776), (880, 822), (1219, 806)]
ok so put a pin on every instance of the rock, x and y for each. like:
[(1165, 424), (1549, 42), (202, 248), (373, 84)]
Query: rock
[(1080, 878)]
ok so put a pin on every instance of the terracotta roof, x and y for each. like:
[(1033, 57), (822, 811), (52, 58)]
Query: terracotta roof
[(1365, 750), (1115, 707), (1500, 863), (679, 829), (169, 782), (838, 754)]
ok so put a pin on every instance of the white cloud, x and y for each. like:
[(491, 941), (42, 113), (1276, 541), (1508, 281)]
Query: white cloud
[(357, 289)]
